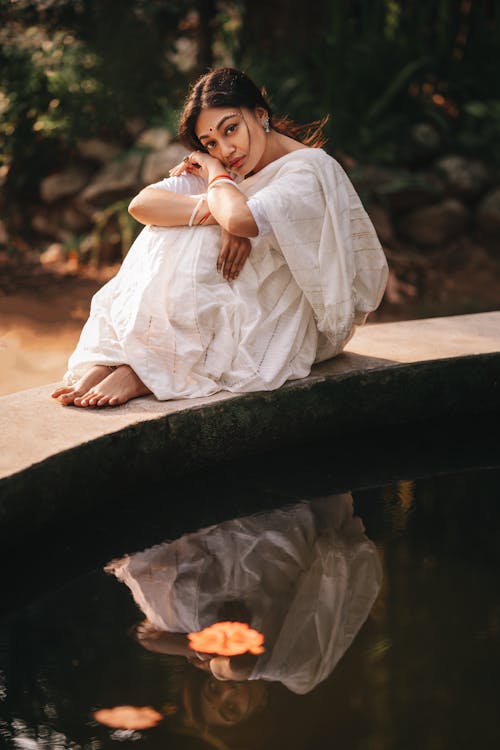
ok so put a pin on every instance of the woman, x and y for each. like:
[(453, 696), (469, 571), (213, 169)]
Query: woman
[(257, 260), (305, 577)]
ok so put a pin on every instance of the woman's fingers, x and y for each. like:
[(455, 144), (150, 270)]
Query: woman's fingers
[(233, 254), (229, 258), (186, 165), (239, 262), (221, 260), (178, 169)]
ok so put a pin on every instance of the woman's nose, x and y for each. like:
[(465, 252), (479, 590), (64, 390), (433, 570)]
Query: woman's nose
[(227, 149)]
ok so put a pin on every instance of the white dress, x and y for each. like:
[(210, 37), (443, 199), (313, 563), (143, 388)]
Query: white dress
[(316, 270), (307, 574)]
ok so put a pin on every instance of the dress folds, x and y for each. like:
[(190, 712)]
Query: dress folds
[(307, 574), (313, 275)]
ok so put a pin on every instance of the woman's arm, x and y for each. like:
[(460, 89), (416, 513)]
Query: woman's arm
[(226, 202), (237, 668), (228, 206), (164, 208)]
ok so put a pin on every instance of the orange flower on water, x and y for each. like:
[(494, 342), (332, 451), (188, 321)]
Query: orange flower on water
[(128, 717), (227, 639)]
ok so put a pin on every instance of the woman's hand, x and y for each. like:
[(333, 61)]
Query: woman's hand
[(234, 252), (197, 162)]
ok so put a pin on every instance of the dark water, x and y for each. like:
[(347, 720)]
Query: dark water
[(422, 670)]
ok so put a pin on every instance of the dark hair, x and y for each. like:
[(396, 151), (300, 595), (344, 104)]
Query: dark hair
[(229, 87)]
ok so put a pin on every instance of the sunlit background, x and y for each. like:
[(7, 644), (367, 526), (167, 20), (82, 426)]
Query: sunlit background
[(90, 94)]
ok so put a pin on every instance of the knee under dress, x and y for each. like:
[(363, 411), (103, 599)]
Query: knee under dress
[(315, 272)]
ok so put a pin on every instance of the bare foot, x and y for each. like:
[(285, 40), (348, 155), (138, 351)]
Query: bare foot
[(150, 637), (161, 641), (117, 388), (67, 393)]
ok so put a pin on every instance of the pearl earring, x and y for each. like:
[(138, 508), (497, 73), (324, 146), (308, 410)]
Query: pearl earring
[(265, 124)]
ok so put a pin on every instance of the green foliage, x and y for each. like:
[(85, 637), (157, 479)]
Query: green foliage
[(113, 228), (71, 70), (401, 82), (48, 87), (378, 68), (480, 133)]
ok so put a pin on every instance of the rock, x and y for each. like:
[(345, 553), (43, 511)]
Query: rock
[(135, 125), (410, 190), (426, 136), (97, 150), (464, 178), (74, 220), (436, 224), (419, 145), (63, 184), (157, 164), (488, 213), (4, 171), (118, 179), (382, 223), (370, 176), (397, 189), (48, 224), (4, 237), (155, 138), (53, 254)]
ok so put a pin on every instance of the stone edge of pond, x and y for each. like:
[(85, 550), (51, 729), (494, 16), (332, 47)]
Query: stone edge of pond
[(324, 407)]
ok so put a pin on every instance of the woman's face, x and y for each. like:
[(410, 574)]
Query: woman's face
[(234, 136), (224, 704)]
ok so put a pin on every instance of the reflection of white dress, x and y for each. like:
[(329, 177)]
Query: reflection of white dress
[(315, 272), (307, 574)]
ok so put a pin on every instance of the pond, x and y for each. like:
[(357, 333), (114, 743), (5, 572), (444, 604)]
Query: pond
[(378, 600)]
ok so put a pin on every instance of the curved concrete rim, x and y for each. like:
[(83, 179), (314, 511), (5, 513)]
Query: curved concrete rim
[(390, 373)]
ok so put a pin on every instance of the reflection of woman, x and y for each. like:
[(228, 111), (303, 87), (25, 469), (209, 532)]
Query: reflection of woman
[(306, 577), (196, 307)]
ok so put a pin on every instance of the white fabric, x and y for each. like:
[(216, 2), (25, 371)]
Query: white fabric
[(308, 575), (260, 216), (188, 332)]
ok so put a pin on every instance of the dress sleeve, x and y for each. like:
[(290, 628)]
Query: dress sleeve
[(260, 216), (332, 601), (327, 240), (189, 184)]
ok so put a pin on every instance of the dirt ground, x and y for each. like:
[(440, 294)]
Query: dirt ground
[(42, 309)]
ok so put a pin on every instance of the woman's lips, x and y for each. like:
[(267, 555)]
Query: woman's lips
[(236, 163)]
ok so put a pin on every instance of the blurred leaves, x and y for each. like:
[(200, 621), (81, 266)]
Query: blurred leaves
[(402, 82)]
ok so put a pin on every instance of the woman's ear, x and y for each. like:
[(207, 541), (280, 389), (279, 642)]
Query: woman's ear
[(261, 113)]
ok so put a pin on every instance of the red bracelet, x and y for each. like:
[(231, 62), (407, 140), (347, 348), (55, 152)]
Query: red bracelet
[(204, 218), (218, 176)]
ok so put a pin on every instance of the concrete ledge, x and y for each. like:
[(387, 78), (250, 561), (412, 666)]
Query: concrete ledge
[(54, 457)]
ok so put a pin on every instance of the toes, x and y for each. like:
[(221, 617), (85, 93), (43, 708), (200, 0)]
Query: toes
[(102, 401), (62, 390), (67, 392), (83, 400), (68, 396)]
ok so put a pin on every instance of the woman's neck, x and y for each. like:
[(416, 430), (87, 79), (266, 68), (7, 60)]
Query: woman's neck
[(277, 145)]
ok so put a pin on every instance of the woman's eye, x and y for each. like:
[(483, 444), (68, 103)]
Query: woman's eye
[(210, 144), (231, 129)]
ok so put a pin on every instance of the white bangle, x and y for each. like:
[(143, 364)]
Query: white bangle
[(220, 180), (196, 208)]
